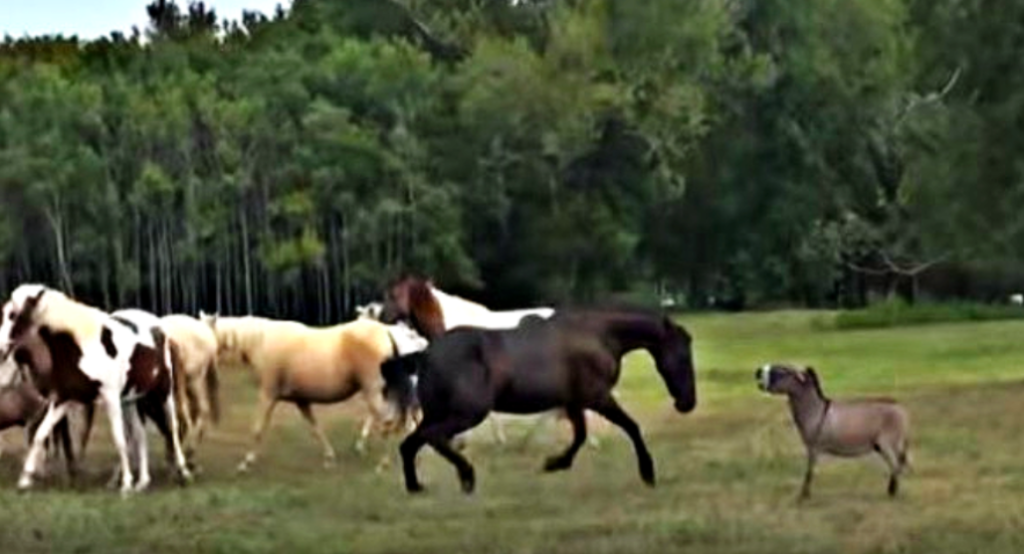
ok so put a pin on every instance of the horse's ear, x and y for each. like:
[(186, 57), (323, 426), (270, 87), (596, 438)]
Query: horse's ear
[(811, 374)]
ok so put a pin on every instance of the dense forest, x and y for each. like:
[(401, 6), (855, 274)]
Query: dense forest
[(748, 151)]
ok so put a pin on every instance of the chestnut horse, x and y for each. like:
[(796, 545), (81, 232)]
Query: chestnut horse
[(432, 312), (570, 361)]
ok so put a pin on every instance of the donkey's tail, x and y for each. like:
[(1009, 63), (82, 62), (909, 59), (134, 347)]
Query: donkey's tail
[(213, 392), (903, 457)]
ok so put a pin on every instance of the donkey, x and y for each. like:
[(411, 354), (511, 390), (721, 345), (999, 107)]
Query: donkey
[(839, 428)]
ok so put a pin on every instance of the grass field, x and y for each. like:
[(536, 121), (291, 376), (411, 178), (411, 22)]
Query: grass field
[(728, 473)]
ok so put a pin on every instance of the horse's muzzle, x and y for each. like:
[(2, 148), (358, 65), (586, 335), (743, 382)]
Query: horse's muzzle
[(686, 405)]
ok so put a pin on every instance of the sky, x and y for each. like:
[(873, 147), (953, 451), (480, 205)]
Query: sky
[(91, 19)]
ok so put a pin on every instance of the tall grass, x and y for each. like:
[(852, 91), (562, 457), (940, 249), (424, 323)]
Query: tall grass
[(894, 313)]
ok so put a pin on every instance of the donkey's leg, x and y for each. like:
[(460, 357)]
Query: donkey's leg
[(614, 413), (579, 437), (318, 433), (812, 459), (54, 413), (892, 460), (266, 409)]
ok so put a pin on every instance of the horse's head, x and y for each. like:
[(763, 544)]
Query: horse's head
[(786, 379), (19, 316), (411, 298), (674, 359)]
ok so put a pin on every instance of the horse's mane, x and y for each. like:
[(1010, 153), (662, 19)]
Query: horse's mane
[(425, 310), (61, 313)]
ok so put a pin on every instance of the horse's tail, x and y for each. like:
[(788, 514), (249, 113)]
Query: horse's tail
[(176, 366), (213, 392), (399, 375)]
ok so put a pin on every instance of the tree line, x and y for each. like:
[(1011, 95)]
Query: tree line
[(751, 151)]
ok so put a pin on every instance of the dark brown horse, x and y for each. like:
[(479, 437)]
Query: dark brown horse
[(570, 361)]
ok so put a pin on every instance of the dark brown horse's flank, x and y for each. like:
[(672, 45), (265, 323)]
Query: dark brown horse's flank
[(571, 361)]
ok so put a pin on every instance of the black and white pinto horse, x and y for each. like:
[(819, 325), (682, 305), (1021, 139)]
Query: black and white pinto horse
[(94, 356)]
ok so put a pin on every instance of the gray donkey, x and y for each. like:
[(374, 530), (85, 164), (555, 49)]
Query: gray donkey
[(840, 428)]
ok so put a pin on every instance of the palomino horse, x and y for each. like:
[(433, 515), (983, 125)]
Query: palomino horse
[(433, 312), (306, 365), (92, 356), (839, 428), (198, 348), (570, 361)]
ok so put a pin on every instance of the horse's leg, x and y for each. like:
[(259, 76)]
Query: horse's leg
[(805, 490), (579, 437), (266, 409), (614, 413), (438, 434), (54, 413), (64, 430), (171, 411), (318, 433), (89, 414), (115, 413), (202, 393), (498, 429), (140, 445), (378, 408)]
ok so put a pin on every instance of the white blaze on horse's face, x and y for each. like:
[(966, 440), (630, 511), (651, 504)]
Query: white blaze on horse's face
[(6, 327)]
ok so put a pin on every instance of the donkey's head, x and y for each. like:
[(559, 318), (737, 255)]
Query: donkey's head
[(786, 379)]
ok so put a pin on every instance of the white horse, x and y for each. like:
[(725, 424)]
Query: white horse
[(434, 312), (94, 356)]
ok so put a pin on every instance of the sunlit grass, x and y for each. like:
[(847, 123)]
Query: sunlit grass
[(728, 474)]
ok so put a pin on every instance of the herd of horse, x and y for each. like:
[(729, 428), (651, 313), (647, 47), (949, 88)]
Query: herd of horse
[(425, 362)]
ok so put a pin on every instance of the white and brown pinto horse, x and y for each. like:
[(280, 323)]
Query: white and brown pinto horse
[(434, 312), (94, 356), (307, 365)]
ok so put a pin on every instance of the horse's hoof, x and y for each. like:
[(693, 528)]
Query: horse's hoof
[(557, 463), (24, 483), (141, 486), (468, 485), (414, 488), (127, 493), (243, 467)]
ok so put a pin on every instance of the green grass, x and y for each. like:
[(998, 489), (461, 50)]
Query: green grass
[(727, 473), (893, 313)]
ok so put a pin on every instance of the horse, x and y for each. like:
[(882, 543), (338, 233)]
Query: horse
[(433, 312), (306, 365), (198, 348), (93, 356), (22, 405), (840, 428), (570, 361)]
